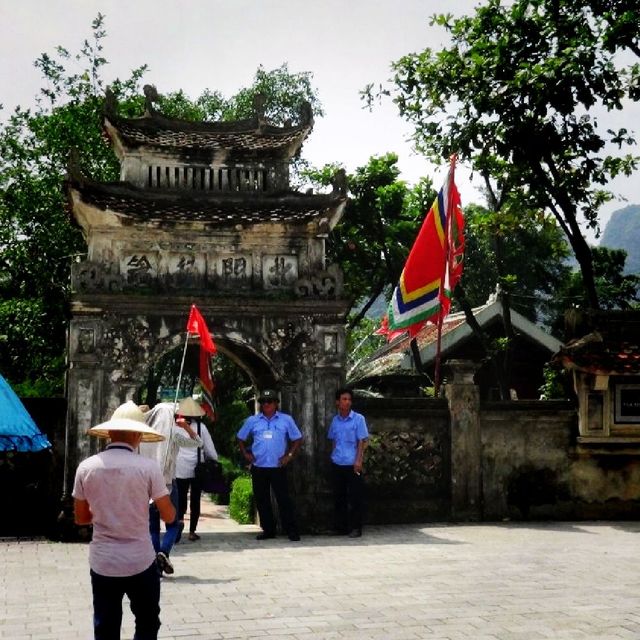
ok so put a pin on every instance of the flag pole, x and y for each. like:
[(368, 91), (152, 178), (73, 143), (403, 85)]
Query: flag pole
[(436, 376), (175, 400), (443, 280), (184, 356)]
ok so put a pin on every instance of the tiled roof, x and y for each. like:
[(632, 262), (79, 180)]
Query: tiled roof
[(387, 360), (245, 136), (126, 200), (392, 358), (599, 354), (428, 334)]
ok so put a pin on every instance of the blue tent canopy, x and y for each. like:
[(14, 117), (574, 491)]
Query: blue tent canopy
[(18, 431)]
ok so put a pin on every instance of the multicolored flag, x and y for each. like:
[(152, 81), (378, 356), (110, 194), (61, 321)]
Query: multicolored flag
[(434, 265), (197, 326)]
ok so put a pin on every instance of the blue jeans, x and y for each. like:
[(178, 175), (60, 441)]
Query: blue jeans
[(171, 529), (143, 591)]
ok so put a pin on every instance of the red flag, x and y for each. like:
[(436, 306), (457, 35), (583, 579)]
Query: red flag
[(198, 326), (385, 331)]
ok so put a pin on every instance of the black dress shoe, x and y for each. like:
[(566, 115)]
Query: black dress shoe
[(355, 533), (265, 536), (294, 537)]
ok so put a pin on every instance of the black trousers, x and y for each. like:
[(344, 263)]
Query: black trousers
[(143, 591), (266, 479), (348, 498), (184, 484)]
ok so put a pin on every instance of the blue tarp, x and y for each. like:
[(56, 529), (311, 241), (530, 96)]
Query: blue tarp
[(18, 431)]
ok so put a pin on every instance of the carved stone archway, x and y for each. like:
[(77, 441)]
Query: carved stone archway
[(203, 214)]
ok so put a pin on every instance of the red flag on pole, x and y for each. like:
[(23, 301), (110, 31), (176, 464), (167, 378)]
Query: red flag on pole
[(432, 271), (434, 265), (197, 326)]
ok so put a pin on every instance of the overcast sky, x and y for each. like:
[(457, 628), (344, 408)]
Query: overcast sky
[(218, 44)]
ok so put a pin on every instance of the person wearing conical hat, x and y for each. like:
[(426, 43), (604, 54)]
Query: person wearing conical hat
[(188, 485), (178, 433), (112, 490)]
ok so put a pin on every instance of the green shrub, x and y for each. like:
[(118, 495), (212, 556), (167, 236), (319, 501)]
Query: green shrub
[(241, 500)]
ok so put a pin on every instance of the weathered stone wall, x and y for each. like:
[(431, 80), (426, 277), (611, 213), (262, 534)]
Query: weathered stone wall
[(408, 461), (526, 448), (533, 468), (458, 460)]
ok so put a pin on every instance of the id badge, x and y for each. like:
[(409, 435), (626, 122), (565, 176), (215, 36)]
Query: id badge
[(268, 435)]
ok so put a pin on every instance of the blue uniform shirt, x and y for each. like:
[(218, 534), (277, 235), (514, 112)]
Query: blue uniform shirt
[(269, 437), (346, 432)]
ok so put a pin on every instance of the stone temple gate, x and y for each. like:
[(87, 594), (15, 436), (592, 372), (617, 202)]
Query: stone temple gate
[(204, 213)]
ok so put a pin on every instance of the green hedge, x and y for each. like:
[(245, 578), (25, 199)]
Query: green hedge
[(241, 500)]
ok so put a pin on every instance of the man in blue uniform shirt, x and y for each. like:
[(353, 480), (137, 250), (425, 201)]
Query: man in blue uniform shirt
[(275, 441), (349, 433)]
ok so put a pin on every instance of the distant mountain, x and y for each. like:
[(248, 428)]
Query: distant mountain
[(623, 232)]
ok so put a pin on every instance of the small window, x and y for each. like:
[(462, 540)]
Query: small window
[(595, 413)]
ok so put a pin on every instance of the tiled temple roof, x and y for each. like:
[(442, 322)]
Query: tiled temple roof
[(395, 356), (143, 205), (251, 136), (602, 355), (244, 136), (428, 334)]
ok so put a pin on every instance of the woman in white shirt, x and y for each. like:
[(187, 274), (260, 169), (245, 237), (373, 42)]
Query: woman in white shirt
[(186, 464)]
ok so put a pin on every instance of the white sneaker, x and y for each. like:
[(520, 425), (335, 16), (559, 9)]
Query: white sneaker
[(164, 564)]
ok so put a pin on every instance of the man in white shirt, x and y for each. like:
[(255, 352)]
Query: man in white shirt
[(112, 491)]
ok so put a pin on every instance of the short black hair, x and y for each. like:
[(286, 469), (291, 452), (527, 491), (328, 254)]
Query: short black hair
[(342, 390)]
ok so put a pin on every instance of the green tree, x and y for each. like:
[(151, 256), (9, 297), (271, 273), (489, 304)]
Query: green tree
[(615, 290), (378, 228), (525, 256), (514, 95), (37, 239)]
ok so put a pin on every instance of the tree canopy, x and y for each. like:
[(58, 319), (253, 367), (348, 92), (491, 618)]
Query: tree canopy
[(519, 94), (526, 256), (37, 239)]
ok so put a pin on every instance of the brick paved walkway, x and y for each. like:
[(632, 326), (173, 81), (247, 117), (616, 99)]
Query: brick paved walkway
[(478, 582)]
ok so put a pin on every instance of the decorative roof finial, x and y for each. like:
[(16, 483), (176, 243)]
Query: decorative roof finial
[(110, 102), (259, 103), (339, 182), (306, 113), (151, 95), (74, 170)]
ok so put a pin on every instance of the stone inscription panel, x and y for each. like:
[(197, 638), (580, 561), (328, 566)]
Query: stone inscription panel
[(140, 268), (187, 264), (279, 271), (234, 271)]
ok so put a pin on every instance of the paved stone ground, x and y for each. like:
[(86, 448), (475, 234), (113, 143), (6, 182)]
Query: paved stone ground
[(479, 582)]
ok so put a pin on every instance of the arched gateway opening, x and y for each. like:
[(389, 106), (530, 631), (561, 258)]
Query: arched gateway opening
[(203, 214)]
